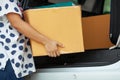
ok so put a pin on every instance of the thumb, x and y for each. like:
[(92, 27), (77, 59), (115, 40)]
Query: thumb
[(60, 45)]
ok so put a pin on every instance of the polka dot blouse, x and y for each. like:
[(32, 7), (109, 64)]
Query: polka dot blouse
[(13, 45)]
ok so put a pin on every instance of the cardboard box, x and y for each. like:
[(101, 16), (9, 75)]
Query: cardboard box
[(96, 32), (62, 24)]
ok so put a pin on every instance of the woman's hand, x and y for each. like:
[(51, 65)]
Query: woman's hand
[(52, 48)]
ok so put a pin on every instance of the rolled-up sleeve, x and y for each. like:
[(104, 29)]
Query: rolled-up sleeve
[(9, 6)]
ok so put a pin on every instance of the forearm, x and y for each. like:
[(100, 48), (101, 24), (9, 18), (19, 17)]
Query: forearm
[(31, 33), (26, 29)]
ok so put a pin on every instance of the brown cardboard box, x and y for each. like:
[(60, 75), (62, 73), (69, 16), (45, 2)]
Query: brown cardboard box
[(62, 24), (96, 32)]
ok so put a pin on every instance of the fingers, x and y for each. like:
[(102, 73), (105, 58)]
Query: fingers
[(52, 48), (58, 53), (55, 53)]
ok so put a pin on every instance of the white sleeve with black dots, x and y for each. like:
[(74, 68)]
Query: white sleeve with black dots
[(9, 6)]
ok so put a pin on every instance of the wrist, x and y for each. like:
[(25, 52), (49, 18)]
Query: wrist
[(46, 41)]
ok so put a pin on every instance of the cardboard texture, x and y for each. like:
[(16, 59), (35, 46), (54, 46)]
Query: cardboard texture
[(96, 32), (62, 24)]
